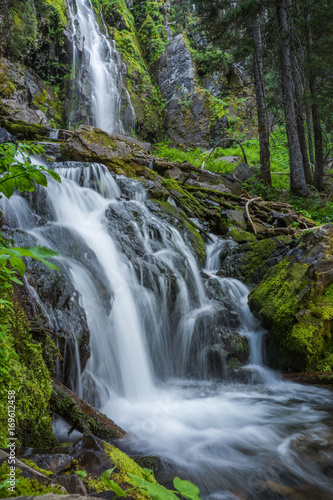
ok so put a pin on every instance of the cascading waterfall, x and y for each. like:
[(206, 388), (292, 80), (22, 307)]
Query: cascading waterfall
[(103, 61), (151, 322)]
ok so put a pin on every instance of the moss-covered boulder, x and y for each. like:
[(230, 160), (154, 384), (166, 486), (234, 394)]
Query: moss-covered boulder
[(251, 260), (294, 302), (23, 371), (122, 155)]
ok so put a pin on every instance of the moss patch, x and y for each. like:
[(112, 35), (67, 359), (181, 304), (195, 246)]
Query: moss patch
[(300, 328), (28, 377), (241, 236), (126, 466), (25, 486)]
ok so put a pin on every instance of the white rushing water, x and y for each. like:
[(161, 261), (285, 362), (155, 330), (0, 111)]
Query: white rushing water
[(151, 323), (103, 62)]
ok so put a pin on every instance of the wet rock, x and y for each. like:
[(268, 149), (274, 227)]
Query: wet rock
[(294, 303), (72, 483), (178, 219), (5, 136), (54, 462), (250, 261), (228, 352)]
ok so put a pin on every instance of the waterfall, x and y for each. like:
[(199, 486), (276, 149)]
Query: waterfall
[(103, 62), (151, 321)]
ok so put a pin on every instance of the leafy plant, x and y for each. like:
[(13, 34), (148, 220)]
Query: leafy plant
[(184, 489), (17, 171)]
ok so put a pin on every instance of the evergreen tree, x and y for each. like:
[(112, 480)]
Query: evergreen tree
[(238, 22)]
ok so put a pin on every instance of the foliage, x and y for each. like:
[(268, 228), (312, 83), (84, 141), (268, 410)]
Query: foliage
[(279, 152), (185, 489), (17, 171)]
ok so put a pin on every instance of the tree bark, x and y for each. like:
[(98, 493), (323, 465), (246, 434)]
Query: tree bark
[(298, 87), (297, 177), (81, 415), (318, 178), (309, 130), (263, 125)]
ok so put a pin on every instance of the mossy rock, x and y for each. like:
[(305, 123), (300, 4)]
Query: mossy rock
[(294, 302), (250, 261), (241, 236), (24, 371), (23, 130)]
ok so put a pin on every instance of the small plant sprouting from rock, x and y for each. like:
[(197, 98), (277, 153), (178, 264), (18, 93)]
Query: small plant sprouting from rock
[(183, 488)]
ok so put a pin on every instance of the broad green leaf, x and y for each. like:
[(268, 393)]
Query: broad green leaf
[(54, 175), (18, 264), (81, 473), (111, 484), (23, 183), (39, 178), (156, 491), (186, 489), (7, 185)]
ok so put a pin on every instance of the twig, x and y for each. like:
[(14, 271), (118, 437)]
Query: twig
[(248, 213)]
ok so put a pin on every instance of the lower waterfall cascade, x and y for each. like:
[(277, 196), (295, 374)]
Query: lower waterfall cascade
[(151, 320)]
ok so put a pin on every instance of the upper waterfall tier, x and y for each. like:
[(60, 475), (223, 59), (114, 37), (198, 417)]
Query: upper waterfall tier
[(103, 63)]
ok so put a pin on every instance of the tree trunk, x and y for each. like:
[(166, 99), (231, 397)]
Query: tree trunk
[(318, 178), (297, 177), (263, 125), (298, 88), (81, 415), (309, 130)]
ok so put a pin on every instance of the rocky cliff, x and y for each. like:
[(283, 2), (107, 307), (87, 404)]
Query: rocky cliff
[(165, 77)]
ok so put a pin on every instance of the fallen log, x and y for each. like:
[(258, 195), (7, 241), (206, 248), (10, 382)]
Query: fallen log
[(81, 415)]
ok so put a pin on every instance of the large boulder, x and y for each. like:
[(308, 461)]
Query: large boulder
[(123, 155), (294, 302)]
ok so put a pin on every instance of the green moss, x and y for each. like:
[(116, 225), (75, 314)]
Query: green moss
[(241, 236), (29, 378), (24, 486), (24, 130), (60, 7), (7, 88), (126, 466), (300, 328), (35, 467)]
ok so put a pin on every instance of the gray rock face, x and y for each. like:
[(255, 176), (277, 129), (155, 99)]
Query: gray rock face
[(176, 70), (186, 116), (31, 100)]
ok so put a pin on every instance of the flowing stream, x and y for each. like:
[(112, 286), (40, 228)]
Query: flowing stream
[(151, 324)]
